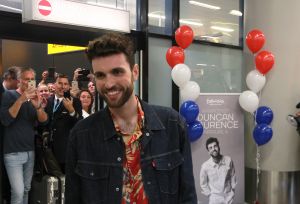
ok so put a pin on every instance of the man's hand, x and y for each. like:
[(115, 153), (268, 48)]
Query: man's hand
[(34, 98), (76, 74), (74, 91), (45, 74), (68, 104)]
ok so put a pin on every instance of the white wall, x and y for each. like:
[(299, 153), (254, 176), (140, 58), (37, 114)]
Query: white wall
[(279, 20)]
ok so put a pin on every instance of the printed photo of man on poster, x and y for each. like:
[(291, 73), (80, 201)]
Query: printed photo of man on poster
[(217, 175), (219, 155)]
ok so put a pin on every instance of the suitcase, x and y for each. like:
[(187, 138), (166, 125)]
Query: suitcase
[(48, 190)]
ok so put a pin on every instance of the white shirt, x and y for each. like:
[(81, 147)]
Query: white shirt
[(85, 114), (218, 181)]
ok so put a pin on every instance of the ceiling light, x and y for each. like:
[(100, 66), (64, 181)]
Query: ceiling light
[(190, 22), (152, 15), (222, 29), (196, 3), (236, 13), (10, 8), (203, 65)]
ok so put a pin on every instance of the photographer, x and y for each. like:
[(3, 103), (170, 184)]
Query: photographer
[(80, 79)]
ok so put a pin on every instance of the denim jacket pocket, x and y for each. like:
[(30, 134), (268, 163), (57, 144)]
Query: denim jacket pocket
[(94, 180), (167, 171)]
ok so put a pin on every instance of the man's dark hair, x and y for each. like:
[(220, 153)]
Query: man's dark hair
[(12, 73), (61, 76), (211, 140), (110, 44)]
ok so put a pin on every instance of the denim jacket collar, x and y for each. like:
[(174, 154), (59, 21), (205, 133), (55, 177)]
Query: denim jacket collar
[(152, 121)]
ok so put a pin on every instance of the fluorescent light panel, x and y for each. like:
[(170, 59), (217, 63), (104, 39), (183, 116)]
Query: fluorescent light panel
[(11, 8), (196, 3), (152, 15), (222, 29), (190, 22), (236, 13)]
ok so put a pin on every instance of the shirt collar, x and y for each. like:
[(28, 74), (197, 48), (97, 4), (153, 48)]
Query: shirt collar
[(60, 99)]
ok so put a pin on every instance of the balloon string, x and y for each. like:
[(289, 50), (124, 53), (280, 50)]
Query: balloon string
[(257, 170)]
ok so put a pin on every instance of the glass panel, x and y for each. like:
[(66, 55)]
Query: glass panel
[(216, 21), (14, 6), (215, 69), (160, 81), (160, 17)]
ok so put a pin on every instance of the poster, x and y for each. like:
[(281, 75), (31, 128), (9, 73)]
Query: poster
[(222, 118)]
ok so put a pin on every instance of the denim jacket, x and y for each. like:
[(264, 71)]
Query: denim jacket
[(94, 170)]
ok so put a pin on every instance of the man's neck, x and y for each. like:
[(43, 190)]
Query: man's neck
[(127, 111), (217, 159), (126, 116)]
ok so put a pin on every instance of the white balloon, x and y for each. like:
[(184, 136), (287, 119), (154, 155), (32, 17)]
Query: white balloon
[(181, 74), (255, 81), (249, 101), (190, 91)]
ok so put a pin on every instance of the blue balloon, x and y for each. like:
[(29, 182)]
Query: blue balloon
[(189, 110), (262, 134), (195, 130), (264, 115)]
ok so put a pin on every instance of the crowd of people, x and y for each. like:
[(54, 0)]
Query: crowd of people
[(128, 152), (30, 113)]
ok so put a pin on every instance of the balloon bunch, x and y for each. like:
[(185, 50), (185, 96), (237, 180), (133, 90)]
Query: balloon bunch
[(181, 75), (255, 80)]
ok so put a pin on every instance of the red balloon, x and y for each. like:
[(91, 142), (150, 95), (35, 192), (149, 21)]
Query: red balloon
[(175, 55), (264, 61), (184, 36), (255, 40)]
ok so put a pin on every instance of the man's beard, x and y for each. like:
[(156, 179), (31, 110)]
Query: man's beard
[(126, 92), (215, 156)]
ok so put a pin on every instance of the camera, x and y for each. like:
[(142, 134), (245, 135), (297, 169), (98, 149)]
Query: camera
[(295, 120), (83, 75)]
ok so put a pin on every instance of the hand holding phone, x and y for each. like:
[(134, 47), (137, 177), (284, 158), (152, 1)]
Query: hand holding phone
[(67, 94)]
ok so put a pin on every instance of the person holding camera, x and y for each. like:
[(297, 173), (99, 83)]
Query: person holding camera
[(64, 111), (20, 111)]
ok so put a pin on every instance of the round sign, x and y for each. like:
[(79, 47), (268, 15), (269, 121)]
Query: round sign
[(44, 7)]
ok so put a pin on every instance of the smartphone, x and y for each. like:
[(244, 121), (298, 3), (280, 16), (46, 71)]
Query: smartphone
[(75, 85), (67, 94), (51, 72), (32, 84)]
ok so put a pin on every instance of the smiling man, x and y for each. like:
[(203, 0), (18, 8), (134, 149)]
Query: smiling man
[(217, 175), (129, 152)]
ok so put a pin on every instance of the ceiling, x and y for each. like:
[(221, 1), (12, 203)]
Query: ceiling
[(214, 24)]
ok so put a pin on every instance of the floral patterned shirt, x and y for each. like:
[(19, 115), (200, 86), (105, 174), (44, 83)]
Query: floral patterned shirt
[(133, 189)]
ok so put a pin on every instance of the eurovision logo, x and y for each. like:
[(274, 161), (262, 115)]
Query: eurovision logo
[(44, 7)]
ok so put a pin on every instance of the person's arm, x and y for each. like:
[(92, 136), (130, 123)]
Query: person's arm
[(233, 176), (36, 101), (187, 191), (74, 108), (73, 192), (10, 107), (15, 108), (205, 190)]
